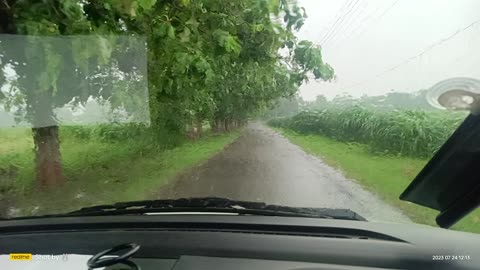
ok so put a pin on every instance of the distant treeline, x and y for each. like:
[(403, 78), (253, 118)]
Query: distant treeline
[(390, 101)]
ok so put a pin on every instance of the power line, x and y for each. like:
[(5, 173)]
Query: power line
[(337, 17), (354, 7), (418, 55), (388, 9), (433, 46), (356, 31), (343, 11), (352, 20), (346, 4)]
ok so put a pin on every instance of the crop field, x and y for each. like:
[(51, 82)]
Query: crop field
[(405, 133)]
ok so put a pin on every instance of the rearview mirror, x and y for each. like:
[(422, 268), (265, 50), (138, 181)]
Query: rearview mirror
[(456, 94)]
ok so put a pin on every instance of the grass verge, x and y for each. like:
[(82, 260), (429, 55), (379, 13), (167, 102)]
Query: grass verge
[(387, 176), (104, 172)]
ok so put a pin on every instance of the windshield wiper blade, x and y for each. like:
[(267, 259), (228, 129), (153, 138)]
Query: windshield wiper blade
[(213, 204)]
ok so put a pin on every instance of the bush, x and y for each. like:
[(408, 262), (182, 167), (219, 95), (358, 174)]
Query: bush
[(79, 132), (106, 132), (120, 132)]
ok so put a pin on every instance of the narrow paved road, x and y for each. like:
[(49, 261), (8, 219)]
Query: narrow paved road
[(262, 165)]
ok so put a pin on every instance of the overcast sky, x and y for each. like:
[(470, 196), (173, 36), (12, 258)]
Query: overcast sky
[(375, 45)]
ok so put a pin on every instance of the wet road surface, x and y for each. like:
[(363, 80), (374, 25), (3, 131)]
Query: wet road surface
[(262, 165)]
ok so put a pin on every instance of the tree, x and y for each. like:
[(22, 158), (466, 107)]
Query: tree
[(209, 60), (285, 107), (51, 70)]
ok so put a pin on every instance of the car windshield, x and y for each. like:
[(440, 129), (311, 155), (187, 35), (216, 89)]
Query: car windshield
[(298, 103)]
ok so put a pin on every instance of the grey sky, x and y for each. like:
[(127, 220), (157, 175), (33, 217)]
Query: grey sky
[(373, 36)]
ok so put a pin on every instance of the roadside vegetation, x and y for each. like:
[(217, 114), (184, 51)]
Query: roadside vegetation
[(209, 62), (103, 164), (381, 148), (398, 132)]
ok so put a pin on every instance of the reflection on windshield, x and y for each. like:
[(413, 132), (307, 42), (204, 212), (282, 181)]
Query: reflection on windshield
[(245, 100), (73, 80)]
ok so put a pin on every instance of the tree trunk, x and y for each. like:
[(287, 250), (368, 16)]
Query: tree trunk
[(219, 126), (199, 126), (49, 172), (192, 131), (195, 129), (227, 124), (213, 125)]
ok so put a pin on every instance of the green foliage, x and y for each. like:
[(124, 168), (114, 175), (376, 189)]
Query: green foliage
[(411, 133), (228, 42), (309, 58), (207, 59), (108, 132), (146, 4)]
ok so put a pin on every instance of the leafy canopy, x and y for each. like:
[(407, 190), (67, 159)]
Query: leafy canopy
[(209, 59)]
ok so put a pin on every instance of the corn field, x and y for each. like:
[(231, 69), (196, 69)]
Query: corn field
[(409, 133)]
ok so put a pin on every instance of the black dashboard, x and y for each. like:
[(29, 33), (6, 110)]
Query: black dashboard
[(239, 242)]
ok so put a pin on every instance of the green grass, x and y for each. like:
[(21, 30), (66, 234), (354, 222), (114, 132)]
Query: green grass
[(14, 140), (98, 172), (387, 176)]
